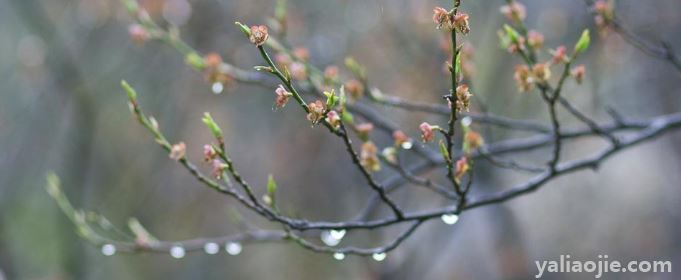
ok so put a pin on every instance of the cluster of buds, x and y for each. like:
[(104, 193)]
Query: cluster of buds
[(578, 73), (369, 156), (317, 111), (427, 132), (355, 89), (463, 98), (259, 35), (514, 11), (448, 20), (604, 14), (178, 151), (282, 97)]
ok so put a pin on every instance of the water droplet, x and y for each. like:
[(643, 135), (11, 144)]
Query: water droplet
[(233, 248), (211, 248), (407, 145), (108, 249), (466, 121), (217, 88), (337, 234), (329, 239), (379, 256), (450, 219), (339, 256), (177, 252)]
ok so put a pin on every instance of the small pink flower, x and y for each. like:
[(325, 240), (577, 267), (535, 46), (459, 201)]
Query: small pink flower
[(282, 96), (559, 55), (541, 71), (331, 73), (461, 23), (578, 73), (442, 18), (462, 168), (535, 39), (138, 34), (426, 132), (333, 118), (259, 35), (301, 53), (523, 78), (316, 111), (177, 151), (354, 88), (298, 71), (209, 153), (514, 11), (400, 137), (463, 98), (219, 168), (363, 130), (369, 156)]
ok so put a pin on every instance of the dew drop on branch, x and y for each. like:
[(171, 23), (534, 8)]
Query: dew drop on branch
[(108, 249), (217, 87), (329, 239), (337, 234), (379, 256), (450, 219), (339, 256), (233, 248), (177, 252), (211, 248), (407, 145)]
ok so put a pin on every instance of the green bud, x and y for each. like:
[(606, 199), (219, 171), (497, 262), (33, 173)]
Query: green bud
[(511, 34), (457, 67), (347, 117), (271, 186), (210, 123), (354, 67), (131, 6), (331, 99), (195, 60), (583, 42), (244, 29), (444, 151), (132, 94)]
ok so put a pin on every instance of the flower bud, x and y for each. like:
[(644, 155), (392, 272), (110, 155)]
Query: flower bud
[(541, 71), (301, 53), (535, 40), (259, 35), (363, 130), (472, 140), (219, 168), (355, 89), (463, 98), (330, 73), (523, 78), (333, 118), (400, 138), (462, 168), (138, 34), (369, 156), (514, 11), (209, 153), (559, 55), (427, 134), (177, 151), (578, 73)]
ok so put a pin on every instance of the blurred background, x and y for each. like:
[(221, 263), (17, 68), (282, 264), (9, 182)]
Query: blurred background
[(61, 109)]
